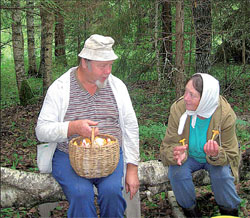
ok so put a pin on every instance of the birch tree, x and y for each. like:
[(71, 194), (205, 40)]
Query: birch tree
[(22, 188), (179, 59), (32, 70), (24, 90), (47, 24)]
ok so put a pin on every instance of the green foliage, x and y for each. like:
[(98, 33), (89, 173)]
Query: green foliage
[(152, 131), (163, 195), (9, 213), (12, 212), (242, 131), (150, 104), (146, 154), (151, 134), (208, 188), (58, 208), (9, 92), (151, 204), (16, 160), (36, 85), (243, 209), (26, 93), (29, 143)]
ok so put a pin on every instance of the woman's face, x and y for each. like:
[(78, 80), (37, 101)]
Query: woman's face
[(191, 97)]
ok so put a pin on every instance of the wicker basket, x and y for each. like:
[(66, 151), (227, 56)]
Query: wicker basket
[(94, 161)]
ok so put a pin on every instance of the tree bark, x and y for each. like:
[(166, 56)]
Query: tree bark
[(42, 45), (47, 23), (18, 53), (20, 188), (32, 70), (244, 31), (156, 30), (166, 51), (203, 31), (179, 59), (60, 53), (18, 43)]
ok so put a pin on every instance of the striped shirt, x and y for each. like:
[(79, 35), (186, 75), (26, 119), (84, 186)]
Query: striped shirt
[(100, 107)]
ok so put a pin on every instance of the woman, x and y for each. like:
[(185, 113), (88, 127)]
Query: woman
[(205, 123)]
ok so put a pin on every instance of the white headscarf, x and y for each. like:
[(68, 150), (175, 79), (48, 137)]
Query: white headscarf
[(208, 103)]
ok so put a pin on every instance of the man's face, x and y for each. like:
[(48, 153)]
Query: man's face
[(99, 72)]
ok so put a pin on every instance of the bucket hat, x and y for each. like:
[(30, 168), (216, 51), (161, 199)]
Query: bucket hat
[(98, 48)]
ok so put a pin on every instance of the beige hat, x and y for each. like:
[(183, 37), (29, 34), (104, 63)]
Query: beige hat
[(98, 48)]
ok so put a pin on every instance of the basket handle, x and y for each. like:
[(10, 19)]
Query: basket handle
[(92, 136)]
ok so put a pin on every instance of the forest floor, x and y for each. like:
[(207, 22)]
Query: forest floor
[(18, 151)]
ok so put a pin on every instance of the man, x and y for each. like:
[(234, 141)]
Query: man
[(85, 96)]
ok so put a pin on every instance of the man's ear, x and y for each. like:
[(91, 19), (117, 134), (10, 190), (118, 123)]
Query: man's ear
[(84, 63)]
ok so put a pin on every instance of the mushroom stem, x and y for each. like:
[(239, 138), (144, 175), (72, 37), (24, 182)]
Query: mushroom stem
[(182, 141), (215, 132)]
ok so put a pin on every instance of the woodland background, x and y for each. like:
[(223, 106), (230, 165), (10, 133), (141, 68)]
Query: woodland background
[(160, 44)]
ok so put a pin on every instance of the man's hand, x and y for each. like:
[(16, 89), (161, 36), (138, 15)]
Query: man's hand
[(180, 154), (211, 148), (82, 128), (132, 181)]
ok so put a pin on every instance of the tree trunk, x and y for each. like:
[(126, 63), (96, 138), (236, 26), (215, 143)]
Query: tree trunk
[(32, 70), (179, 59), (47, 22), (244, 34), (190, 49), (166, 51), (18, 43), (80, 27), (20, 188), (18, 53), (60, 53), (42, 50), (224, 60), (203, 31), (156, 30)]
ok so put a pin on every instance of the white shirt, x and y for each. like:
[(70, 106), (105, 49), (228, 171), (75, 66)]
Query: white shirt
[(51, 127)]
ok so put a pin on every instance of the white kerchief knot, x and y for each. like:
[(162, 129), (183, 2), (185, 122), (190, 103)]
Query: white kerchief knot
[(208, 103)]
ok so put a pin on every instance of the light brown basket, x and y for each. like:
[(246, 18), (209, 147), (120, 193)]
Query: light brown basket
[(94, 161)]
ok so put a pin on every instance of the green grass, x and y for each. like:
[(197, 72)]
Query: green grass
[(9, 92)]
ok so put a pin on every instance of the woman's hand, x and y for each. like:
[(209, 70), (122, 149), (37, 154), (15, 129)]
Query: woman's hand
[(211, 148), (180, 153)]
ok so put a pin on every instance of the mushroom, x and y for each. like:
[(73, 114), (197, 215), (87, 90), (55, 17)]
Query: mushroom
[(182, 141), (215, 132)]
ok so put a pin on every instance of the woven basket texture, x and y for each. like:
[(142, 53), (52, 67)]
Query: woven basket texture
[(95, 161)]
